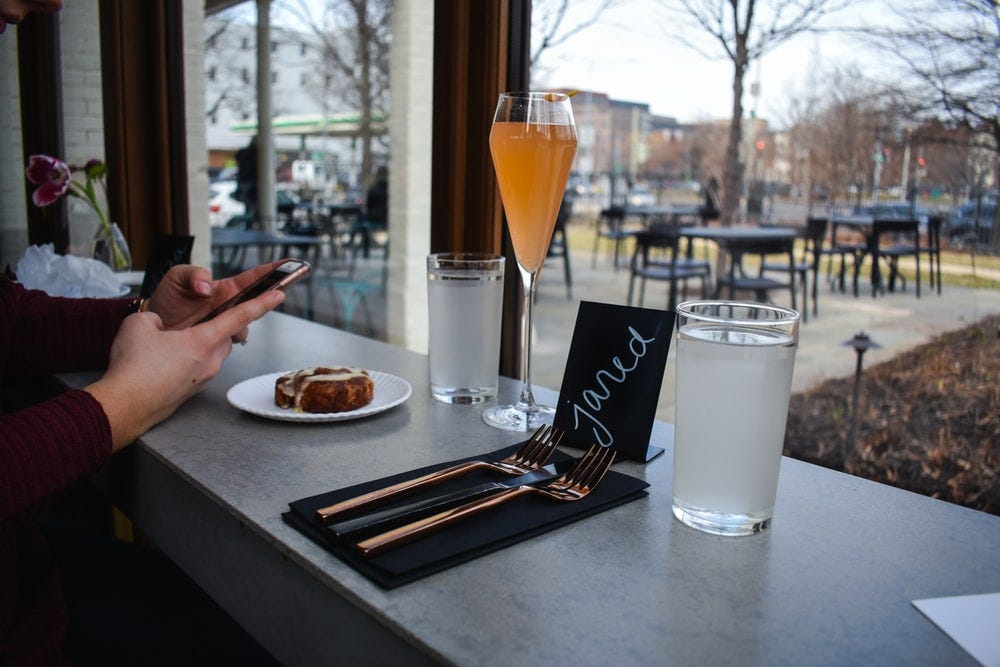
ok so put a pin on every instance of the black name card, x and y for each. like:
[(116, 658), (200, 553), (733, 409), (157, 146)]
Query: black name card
[(613, 376)]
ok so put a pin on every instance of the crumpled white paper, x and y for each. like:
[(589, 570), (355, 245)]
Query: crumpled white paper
[(67, 275)]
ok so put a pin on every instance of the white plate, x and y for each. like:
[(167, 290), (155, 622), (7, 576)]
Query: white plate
[(256, 396)]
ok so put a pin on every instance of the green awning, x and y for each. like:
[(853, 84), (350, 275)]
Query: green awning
[(336, 125)]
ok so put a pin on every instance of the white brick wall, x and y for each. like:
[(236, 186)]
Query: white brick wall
[(194, 117), (83, 114), (411, 72), (82, 109), (13, 213)]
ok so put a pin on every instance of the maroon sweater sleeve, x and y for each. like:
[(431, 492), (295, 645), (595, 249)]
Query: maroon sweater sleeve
[(48, 446)]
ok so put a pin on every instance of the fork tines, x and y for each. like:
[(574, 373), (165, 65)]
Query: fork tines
[(591, 468), (545, 439)]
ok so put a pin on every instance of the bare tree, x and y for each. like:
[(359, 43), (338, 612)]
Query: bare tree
[(954, 60), (744, 30), (353, 39), (232, 92), (548, 23)]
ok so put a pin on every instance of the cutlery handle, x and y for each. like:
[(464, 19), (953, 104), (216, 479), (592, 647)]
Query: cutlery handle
[(327, 514), (377, 522), (411, 531)]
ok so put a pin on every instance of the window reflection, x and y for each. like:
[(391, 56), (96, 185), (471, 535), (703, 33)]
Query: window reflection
[(332, 124)]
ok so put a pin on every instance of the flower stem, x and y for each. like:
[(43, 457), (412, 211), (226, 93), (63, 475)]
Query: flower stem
[(87, 194)]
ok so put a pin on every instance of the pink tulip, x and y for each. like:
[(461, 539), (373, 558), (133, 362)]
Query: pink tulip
[(52, 177)]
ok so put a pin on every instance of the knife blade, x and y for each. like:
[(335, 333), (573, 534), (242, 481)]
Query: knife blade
[(346, 531)]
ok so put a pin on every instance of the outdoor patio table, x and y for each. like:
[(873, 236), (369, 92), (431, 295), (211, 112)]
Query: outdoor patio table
[(236, 241), (865, 224), (671, 213), (733, 239), (831, 582)]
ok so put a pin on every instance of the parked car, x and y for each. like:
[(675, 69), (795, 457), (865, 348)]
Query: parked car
[(641, 195), (901, 210), (222, 206), (288, 204), (965, 225), (893, 210)]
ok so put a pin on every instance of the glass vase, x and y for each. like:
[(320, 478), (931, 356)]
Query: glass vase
[(111, 248)]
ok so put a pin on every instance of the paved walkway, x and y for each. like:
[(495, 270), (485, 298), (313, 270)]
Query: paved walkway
[(897, 322)]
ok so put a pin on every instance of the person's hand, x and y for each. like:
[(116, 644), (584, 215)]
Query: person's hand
[(152, 370), (187, 293)]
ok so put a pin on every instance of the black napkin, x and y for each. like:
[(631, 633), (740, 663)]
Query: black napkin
[(484, 533)]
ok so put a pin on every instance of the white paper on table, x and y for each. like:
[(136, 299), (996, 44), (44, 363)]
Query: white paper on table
[(973, 621)]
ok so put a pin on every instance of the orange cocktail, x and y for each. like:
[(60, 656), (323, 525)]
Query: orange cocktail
[(532, 162), (533, 143)]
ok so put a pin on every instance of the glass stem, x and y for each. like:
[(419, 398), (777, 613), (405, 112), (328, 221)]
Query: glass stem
[(527, 400)]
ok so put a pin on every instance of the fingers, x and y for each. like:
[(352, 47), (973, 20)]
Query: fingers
[(229, 287), (200, 280), (233, 324), (187, 278), (252, 275)]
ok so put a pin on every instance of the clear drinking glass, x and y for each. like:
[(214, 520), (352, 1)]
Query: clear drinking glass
[(734, 378), (533, 143), (465, 303)]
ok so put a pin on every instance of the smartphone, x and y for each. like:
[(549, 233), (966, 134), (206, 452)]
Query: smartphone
[(283, 276)]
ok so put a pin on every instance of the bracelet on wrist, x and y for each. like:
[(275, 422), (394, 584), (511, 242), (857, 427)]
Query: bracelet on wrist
[(136, 306)]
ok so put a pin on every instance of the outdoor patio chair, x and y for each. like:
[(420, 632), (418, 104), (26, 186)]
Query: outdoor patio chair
[(932, 248), (904, 239), (558, 246), (813, 251), (853, 248), (657, 256), (741, 278), (611, 225)]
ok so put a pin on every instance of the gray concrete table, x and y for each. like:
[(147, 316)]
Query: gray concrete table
[(830, 583)]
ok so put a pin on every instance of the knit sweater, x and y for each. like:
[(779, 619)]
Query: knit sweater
[(44, 450)]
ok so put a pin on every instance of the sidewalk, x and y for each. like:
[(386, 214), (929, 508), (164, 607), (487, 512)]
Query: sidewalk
[(897, 322)]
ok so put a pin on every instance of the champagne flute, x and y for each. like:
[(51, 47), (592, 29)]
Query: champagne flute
[(533, 143)]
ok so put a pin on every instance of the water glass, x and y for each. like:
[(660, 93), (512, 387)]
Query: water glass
[(465, 303), (734, 378)]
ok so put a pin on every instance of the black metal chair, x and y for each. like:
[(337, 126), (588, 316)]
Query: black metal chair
[(737, 277), (558, 246), (933, 250), (852, 248), (611, 225), (813, 252), (905, 242), (657, 256)]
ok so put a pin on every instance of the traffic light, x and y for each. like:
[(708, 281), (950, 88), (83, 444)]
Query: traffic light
[(921, 161), (760, 144)]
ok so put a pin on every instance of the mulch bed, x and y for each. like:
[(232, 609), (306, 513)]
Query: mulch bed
[(929, 420)]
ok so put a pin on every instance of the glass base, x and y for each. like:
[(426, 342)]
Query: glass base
[(720, 523), (516, 418), (463, 395)]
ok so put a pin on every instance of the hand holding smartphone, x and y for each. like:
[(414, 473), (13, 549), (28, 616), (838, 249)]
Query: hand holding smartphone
[(281, 277)]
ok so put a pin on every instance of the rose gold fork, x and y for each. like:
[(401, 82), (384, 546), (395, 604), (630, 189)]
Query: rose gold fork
[(530, 456), (573, 485)]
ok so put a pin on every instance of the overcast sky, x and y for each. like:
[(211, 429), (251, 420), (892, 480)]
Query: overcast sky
[(631, 56)]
